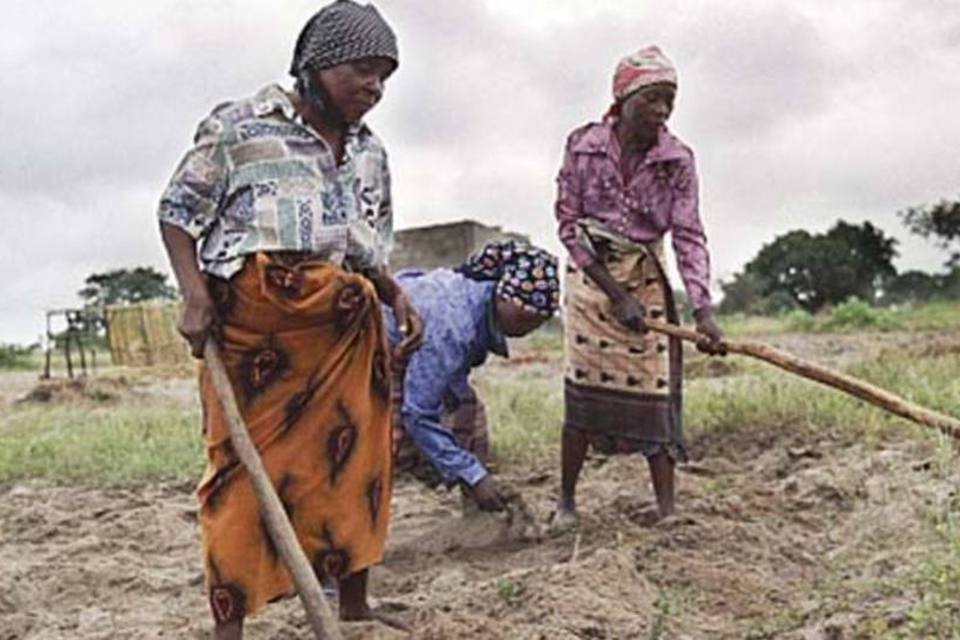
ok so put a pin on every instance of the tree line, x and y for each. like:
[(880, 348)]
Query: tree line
[(814, 271)]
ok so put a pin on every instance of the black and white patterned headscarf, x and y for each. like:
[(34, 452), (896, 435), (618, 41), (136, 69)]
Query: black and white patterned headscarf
[(343, 31)]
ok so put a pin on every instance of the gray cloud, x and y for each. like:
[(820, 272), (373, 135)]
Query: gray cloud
[(799, 112)]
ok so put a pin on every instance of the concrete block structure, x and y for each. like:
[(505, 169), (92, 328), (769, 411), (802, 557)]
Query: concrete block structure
[(444, 245)]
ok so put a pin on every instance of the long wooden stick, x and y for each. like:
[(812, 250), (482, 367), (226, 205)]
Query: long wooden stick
[(855, 387), (278, 525)]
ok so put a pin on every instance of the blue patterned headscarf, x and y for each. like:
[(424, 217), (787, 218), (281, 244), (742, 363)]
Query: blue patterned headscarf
[(526, 275)]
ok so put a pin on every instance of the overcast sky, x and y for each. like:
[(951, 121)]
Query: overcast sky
[(800, 112)]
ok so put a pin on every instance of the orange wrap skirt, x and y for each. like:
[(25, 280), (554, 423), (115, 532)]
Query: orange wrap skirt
[(306, 352)]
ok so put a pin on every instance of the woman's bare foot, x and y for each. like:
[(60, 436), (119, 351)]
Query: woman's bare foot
[(647, 516), (353, 602), (228, 630), (565, 519), (365, 612)]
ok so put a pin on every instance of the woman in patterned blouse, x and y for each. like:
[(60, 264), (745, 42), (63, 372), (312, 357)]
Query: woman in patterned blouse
[(625, 182), (277, 224)]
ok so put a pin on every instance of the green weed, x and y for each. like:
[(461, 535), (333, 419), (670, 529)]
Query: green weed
[(509, 590)]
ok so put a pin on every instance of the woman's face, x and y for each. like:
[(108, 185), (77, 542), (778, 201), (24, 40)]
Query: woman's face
[(648, 108), (355, 87), (515, 321)]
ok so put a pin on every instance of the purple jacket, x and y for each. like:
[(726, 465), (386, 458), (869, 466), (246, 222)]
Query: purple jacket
[(660, 196)]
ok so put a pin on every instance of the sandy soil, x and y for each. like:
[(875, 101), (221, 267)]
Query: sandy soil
[(772, 530), (761, 523)]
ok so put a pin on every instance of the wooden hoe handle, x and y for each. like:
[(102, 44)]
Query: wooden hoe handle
[(854, 386)]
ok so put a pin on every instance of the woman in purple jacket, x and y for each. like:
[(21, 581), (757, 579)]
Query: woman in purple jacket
[(625, 182)]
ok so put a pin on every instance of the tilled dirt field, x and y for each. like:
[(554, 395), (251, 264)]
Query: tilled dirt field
[(775, 537), (763, 522)]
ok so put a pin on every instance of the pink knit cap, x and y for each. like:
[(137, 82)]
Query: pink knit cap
[(644, 67)]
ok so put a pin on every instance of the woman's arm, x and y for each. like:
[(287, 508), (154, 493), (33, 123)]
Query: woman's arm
[(188, 210), (199, 316), (569, 210), (409, 323), (625, 308), (693, 259)]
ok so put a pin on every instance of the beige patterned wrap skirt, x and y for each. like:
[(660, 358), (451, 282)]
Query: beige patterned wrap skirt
[(622, 389)]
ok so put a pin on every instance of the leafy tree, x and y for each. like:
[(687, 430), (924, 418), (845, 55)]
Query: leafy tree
[(862, 264), (913, 286), (787, 264), (815, 270), (126, 286), (950, 284), (942, 222), (746, 293), (776, 303)]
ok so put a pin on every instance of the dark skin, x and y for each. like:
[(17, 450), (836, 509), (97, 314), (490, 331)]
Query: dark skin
[(515, 322), (350, 90), (409, 322), (642, 114), (353, 608)]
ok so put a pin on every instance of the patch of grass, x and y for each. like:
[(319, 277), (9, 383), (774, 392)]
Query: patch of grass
[(780, 400), (707, 367), (851, 316), (546, 340), (14, 357), (97, 359), (936, 613), (139, 442), (110, 446), (800, 321), (525, 408), (857, 315), (926, 585), (934, 316), (930, 588), (524, 411), (738, 324), (663, 609)]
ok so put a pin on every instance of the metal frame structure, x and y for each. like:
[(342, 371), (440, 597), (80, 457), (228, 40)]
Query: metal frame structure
[(78, 324)]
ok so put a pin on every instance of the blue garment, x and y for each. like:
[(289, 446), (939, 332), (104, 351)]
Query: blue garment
[(460, 329)]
